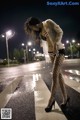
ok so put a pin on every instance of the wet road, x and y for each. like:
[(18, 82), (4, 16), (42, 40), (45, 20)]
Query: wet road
[(69, 67), (22, 97)]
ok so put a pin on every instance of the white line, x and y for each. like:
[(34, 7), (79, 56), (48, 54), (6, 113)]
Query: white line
[(42, 95), (72, 83), (7, 92), (76, 72)]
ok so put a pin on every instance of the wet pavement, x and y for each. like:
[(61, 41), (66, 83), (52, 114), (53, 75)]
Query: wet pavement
[(22, 100)]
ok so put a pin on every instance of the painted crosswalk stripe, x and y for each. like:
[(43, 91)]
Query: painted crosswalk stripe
[(42, 95), (6, 94)]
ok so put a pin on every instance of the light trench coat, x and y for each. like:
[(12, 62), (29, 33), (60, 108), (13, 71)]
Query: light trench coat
[(54, 35)]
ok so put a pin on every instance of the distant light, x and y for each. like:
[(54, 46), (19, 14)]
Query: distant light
[(34, 49), (66, 56), (37, 52), (78, 44), (14, 58), (43, 55), (22, 44), (73, 41), (33, 52), (3, 36), (63, 44), (5, 59), (67, 41), (9, 33), (71, 78), (29, 50), (29, 43)]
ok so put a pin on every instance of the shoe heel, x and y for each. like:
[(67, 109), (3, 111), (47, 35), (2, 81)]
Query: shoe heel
[(49, 108), (66, 103)]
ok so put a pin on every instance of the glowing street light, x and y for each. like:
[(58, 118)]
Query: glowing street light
[(63, 45), (37, 52), (3, 36), (22, 44), (68, 42), (29, 50), (34, 49), (73, 41), (24, 50), (8, 35), (33, 52), (78, 44), (29, 43)]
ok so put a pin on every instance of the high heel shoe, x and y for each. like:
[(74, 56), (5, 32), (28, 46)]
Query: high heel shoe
[(49, 108), (63, 105)]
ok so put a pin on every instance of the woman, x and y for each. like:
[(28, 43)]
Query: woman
[(51, 32)]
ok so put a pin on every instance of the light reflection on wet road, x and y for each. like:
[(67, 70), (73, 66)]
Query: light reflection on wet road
[(73, 74), (30, 69), (23, 96), (19, 71)]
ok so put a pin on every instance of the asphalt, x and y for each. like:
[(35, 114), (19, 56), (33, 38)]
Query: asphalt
[(72, 112), (22, 101)]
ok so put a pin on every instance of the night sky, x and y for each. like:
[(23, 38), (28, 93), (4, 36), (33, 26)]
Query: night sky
[(13, 14)]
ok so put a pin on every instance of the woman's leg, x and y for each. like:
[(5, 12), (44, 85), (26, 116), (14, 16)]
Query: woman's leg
[(63, 87), (56, 70)]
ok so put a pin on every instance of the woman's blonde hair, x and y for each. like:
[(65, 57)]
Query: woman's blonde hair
[(32, 21)]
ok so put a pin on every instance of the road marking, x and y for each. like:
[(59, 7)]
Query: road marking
[(7, 92), (76, 72), (42, 95), (72, 83)]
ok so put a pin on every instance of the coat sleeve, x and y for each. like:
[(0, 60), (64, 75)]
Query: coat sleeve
[(51, 28)]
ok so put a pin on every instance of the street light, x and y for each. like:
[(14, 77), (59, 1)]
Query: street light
[(8, 35), (24, 52), (34, 49), (22, 44), (68, 42), (64, 45), (37, 52), (3, 36), (78, 44), (73, 41), (29, 50), (29, 43)]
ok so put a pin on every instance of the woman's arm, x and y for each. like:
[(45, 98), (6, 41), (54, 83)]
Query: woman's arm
[(52, 27)]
